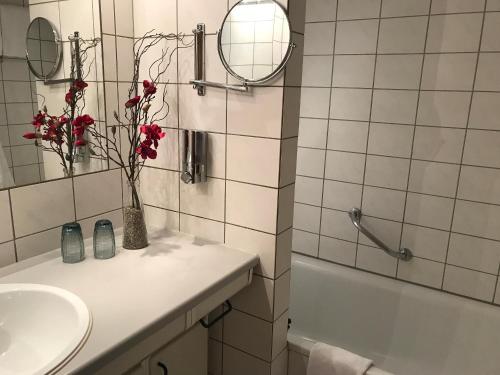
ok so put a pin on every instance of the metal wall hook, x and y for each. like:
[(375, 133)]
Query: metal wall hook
[(403, 253)]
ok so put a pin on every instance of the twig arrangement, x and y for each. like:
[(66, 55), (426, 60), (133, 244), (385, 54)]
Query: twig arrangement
[(139, 125)]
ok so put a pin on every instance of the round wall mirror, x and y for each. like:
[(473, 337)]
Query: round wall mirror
[(43, 48), (255, 40)]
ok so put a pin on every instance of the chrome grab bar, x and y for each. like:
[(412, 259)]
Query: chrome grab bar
[(403, 254)]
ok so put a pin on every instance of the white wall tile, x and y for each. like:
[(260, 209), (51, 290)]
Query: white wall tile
[(88, 203), (476, 219), (250, 334), (297, 363), (258, 114), (251, 206), (422, 271), (457, 6), (356, 37), (317, 71), (398, 71), (256, 299), (191, 13), (429, 211), (245, 164), (448, 71), (321, 10), (159, 219), (469, 283), (337, 224), (433, 178), (387, 172), (454, 33), (202, 112), (383, 203), (373, 259), (425, 242), (5, 217), (358, 9), (394, 106), (474, 253), (261, 243), (239, 362), (393, 8), (487, 69), (202, 228), (310, 162), (438, 144), (205, 200), (345, 166), (347, 136), (479, 184), (341, 195), (30, 212), (444, 108), (107, 16), (390, 140), (353, 71), (315, 102), (306, 217), (485, 112), (308, 190), (350, 104), (285, 207), (481, 148), (164, 193), (492, 5), (312, 133), (337, 251), (7, 254), (37, 244), (319, 38), (388, 231), (489, 40), (305, 243), (402, 35)]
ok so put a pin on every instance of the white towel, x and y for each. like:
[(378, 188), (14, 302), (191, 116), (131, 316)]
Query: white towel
[(329, 360)]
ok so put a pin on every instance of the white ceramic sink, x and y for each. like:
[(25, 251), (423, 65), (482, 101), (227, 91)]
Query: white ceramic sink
[(41, 328)]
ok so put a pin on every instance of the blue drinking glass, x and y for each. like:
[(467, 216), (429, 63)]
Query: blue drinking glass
[(104, 240), (72, 247)]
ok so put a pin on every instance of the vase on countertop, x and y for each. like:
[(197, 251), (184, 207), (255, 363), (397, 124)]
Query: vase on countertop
[(135, 234)]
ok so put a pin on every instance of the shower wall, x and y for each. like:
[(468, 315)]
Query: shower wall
[(400, 117)]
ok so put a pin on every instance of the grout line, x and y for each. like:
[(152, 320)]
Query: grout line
[(413, 135), (328, 125), (465, 139), (358, 234)]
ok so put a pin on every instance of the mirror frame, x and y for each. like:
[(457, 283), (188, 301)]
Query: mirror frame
[(57, 40), (274, 73)]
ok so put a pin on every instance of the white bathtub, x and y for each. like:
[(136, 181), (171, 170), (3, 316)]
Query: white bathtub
[(405, 329)]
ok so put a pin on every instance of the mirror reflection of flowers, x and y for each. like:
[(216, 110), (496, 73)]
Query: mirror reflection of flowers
[(135, 136), (63, 134)]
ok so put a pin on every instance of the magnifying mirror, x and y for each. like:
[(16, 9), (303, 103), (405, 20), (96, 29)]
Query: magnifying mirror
[(255, 40), (43, 48)]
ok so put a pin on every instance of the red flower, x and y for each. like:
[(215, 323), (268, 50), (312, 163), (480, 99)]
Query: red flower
[(149, 88), (80, 85), (146, 151), (153, 133), (80, 142), (132, 102), (31, 135), (84, 120), (63, 120), (39, 120), (69, 97)]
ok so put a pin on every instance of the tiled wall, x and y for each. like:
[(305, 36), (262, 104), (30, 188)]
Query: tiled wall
[(243, 204), (17, 99), (400, 117), (31, 216)]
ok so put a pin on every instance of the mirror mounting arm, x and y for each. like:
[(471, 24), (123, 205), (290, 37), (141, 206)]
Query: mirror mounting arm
[(199, 83)]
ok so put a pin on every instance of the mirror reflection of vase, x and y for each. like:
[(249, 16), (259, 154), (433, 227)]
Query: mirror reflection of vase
[(255, 40)]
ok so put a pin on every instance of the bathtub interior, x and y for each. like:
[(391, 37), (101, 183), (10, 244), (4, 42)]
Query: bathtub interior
[(405, 329)]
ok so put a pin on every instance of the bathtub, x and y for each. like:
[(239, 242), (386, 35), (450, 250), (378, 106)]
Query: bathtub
[(405, 329)]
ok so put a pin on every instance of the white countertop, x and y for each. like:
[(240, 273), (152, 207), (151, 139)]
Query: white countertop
[(137, 291)]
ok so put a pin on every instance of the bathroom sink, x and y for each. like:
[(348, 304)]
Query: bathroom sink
[(41, 328)]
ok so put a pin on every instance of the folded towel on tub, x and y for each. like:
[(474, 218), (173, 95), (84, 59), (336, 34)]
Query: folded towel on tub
[(329, 360)]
